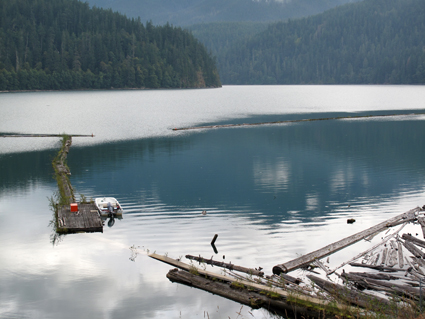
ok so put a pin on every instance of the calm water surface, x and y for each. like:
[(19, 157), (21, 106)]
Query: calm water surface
[(271, 192)]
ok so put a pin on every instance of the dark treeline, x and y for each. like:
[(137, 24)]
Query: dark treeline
[(374, 41), (64, 44)]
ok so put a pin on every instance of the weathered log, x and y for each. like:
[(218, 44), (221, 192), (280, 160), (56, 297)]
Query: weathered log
[(241, 294), (392, 258), (419, 261), (286, 121), (378, 267), (384, 255), (388, 237), (413, 249), (352, 296), (229, 266), (330, 249), (286, 277), (378, 276), (414, 240), (400, 255), (376, 284), (278, 291), (415, 268), (375, 261)]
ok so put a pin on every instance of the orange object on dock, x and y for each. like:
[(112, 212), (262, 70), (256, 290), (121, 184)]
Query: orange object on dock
[(74, 207)]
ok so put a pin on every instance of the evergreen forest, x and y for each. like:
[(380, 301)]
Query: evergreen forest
[(368, 42), (65, 44)]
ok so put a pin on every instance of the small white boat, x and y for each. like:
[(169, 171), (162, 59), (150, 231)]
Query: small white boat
[(108, 206)]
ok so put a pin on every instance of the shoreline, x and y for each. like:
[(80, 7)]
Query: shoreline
[(111, 89)]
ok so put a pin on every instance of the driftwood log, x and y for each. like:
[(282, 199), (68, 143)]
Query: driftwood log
[(229, 266), (377, 267), (352, 296), (374, 284), (414, 240), (413, 249), (295, 298), (334, 247), (239, 293)]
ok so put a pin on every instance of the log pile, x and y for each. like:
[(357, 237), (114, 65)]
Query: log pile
[(390, 284)]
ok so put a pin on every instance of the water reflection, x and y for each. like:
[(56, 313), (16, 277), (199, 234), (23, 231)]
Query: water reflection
[(267, 170), (261, 187)]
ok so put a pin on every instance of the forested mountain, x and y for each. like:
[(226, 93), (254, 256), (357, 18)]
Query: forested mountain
[(374, 41), (188, 12), (218, 37), (64, 44)]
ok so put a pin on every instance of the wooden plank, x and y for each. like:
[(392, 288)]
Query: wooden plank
[(332, 248), (229, 266)]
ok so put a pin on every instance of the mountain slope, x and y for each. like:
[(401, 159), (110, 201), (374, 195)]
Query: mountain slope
[(187, 12), (63, 44), (374, 41)]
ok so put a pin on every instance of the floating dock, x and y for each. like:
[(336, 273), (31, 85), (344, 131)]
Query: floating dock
[(72, 217), (86, 219)]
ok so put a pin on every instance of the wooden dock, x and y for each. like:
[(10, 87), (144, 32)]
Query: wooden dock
[(87, 219)]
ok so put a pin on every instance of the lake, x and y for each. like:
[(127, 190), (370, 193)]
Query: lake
[(271, 192)]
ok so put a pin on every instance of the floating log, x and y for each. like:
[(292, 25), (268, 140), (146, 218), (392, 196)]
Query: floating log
[(384, 255), (303, 299), (388, 237), (377, 267), (414, 240), (334, 247), (375, 284), (419, 261), (352, 296), (378, 276), (289, 121), (413, 249), (392, 258), (239, 293), (286, 277), (229, 266), (400, 255)]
